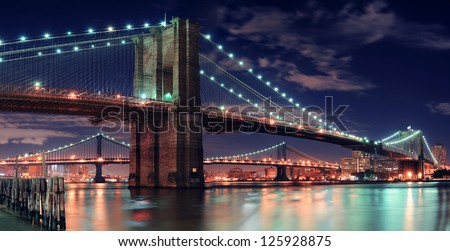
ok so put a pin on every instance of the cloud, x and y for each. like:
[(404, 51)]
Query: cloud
[(275, 29), (376, 22), (36, 129), (441, 108), (30, 136), (370, 25), (327, 82), (326, 39)]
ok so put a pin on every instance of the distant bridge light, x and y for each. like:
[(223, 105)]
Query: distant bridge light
[(1, 42), (110, 28), (47, 35), (283, 94), (108, 44), (75, 48), (129, 26), (39, 53), (231, 55), (123, 41), (58, 50), (69, 33), (220, 47), (276, 89), (163, 23), (37, 84), (1, 59), (250, 70), (241, 63), (143, 96), (23, 38), (146, 25), (208, 36), (259, 77), (90, 30), (92, 46)]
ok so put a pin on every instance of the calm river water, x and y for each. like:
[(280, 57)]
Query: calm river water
[(414, 206)]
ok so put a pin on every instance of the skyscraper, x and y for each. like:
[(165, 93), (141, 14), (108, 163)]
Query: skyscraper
[(440, 153), (359, 162)]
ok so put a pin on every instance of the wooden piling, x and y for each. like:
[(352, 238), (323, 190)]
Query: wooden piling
[(62, 208), (40, 201)]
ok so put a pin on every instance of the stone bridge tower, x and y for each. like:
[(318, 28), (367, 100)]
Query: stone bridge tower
[(166, 147)]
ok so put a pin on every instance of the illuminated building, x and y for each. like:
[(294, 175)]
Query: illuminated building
[(359, 162), (237, 174), (270, 173), (440, 153)]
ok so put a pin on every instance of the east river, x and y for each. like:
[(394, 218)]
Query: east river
[(402, 206)]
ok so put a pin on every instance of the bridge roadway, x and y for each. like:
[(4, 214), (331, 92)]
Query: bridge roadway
[(105, 161), (29, 99)]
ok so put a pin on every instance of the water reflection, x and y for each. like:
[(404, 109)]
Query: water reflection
[(412, 206)]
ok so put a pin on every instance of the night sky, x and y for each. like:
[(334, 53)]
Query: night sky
[(387, 60)]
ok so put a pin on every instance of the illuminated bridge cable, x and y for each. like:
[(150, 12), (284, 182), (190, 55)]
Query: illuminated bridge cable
[(390, 137), (72, 50), (248, 154), (230, 90), (232, 57), (245, 86), (429, 150), (104, 68), (72, 45), (403, 139), (303, 155), (87, 140), (69, 34)]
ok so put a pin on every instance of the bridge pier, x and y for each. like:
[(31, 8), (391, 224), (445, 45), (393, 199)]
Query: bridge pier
[(99, 174), (411, 169), (281, 174), (166, 147)]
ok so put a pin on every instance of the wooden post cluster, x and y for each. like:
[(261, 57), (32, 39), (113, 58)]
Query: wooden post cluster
[(41, 201)]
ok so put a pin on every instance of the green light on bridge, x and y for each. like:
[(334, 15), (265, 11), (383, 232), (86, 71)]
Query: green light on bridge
[(168, 97)]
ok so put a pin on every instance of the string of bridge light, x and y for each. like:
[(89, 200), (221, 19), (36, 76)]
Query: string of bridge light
[(429, 149), (239, 95), (89, 31), (402, 140), (26, 155), (241, 63), (245, 86), (390, 137), (249, 154), (60, 51), (230, 90), (259, 77)]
